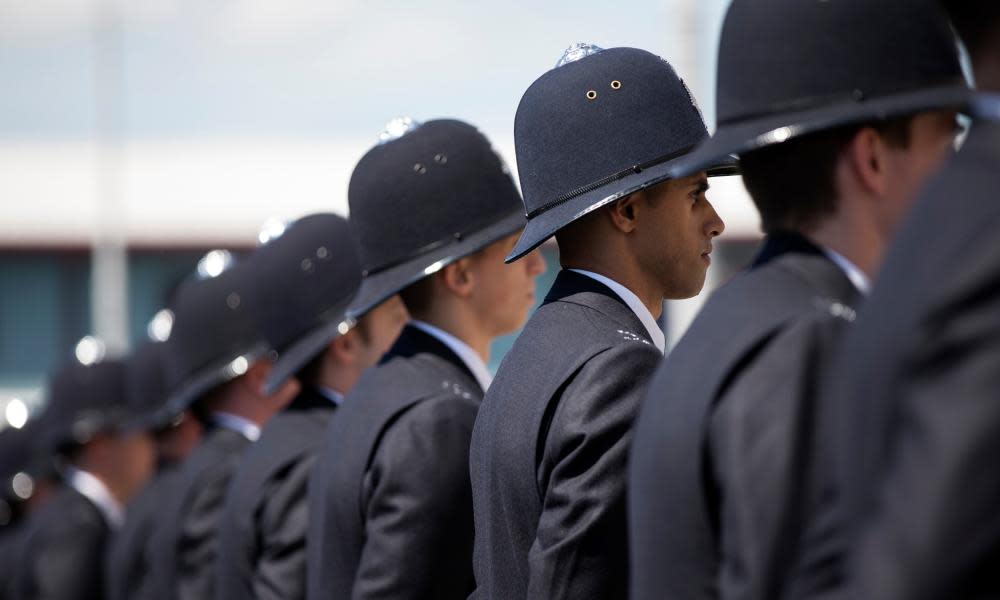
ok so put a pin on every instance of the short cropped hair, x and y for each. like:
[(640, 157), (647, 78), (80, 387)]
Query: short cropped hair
[(793, 183), (309, 373), (418, 296)]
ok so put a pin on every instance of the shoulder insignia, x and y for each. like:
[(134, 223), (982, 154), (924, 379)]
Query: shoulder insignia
[(456, 389), (631, 337), (836, 309)]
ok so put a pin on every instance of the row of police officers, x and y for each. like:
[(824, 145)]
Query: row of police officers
[(320, 421)]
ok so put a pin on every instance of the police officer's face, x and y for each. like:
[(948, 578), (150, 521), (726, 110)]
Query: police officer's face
[(136, 452), (177, 441), (503, 294), (673, 236)]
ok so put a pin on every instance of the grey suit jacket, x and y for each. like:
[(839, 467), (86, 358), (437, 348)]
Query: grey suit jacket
[(550, 449), (63, 550), (262, 535), (129, 552), (186, 542), (714, 440), (11, 545), (915, 416), (389, 498)]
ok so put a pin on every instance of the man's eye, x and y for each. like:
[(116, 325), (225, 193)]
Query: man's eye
[(699, 192)]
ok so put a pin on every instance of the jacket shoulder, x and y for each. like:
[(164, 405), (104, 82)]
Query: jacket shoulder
[(284, 441), (70, 513), (561, 337), (586, 324)]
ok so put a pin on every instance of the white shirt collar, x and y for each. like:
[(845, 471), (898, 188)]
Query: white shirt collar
[(472, 360), (330, 394), (633, 302), (240, 425), (94, 490), (853, 273)]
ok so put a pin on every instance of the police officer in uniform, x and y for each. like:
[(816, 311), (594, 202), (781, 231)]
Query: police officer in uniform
[(917, 424), (313, 272), (176, 434), (106, 456), (595, 139), (435, 211), (26, 478), (838, 112), (216, 362)]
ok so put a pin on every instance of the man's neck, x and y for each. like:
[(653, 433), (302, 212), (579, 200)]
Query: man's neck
[(336, 377), (459, 324), (236, 401), (854, 239)]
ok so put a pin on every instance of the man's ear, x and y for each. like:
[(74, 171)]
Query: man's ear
[(458, 277), (867, 155), (624, 213), (344, 348)]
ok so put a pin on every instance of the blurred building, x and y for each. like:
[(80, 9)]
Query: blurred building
[(136, 136)]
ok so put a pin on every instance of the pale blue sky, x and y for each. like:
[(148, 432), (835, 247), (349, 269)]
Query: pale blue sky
[(314, 68)]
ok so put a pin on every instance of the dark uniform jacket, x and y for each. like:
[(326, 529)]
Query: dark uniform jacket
[(917, 399), (10, 549), (185, 545), (710, 459), (129, 553), (550, 447), (63, 551), (390, 503), (262, 537)]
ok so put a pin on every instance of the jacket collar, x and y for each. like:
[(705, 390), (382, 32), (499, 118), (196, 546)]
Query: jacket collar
[(781, 243), (94, 490), (310, 397), (575, 288), (807, 260), (473, 362), (412, 341)]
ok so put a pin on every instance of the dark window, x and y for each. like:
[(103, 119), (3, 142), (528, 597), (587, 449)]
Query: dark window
[(153, 275), (44, 311)]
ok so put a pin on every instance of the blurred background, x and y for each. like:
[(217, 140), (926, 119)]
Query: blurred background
[(136, 135)]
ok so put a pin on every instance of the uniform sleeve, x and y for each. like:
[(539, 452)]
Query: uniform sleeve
[(581, 544), (9, 549), (199, 540), (935, 529), (752, 437), (418, 506), (67, 564), (280, 571)]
